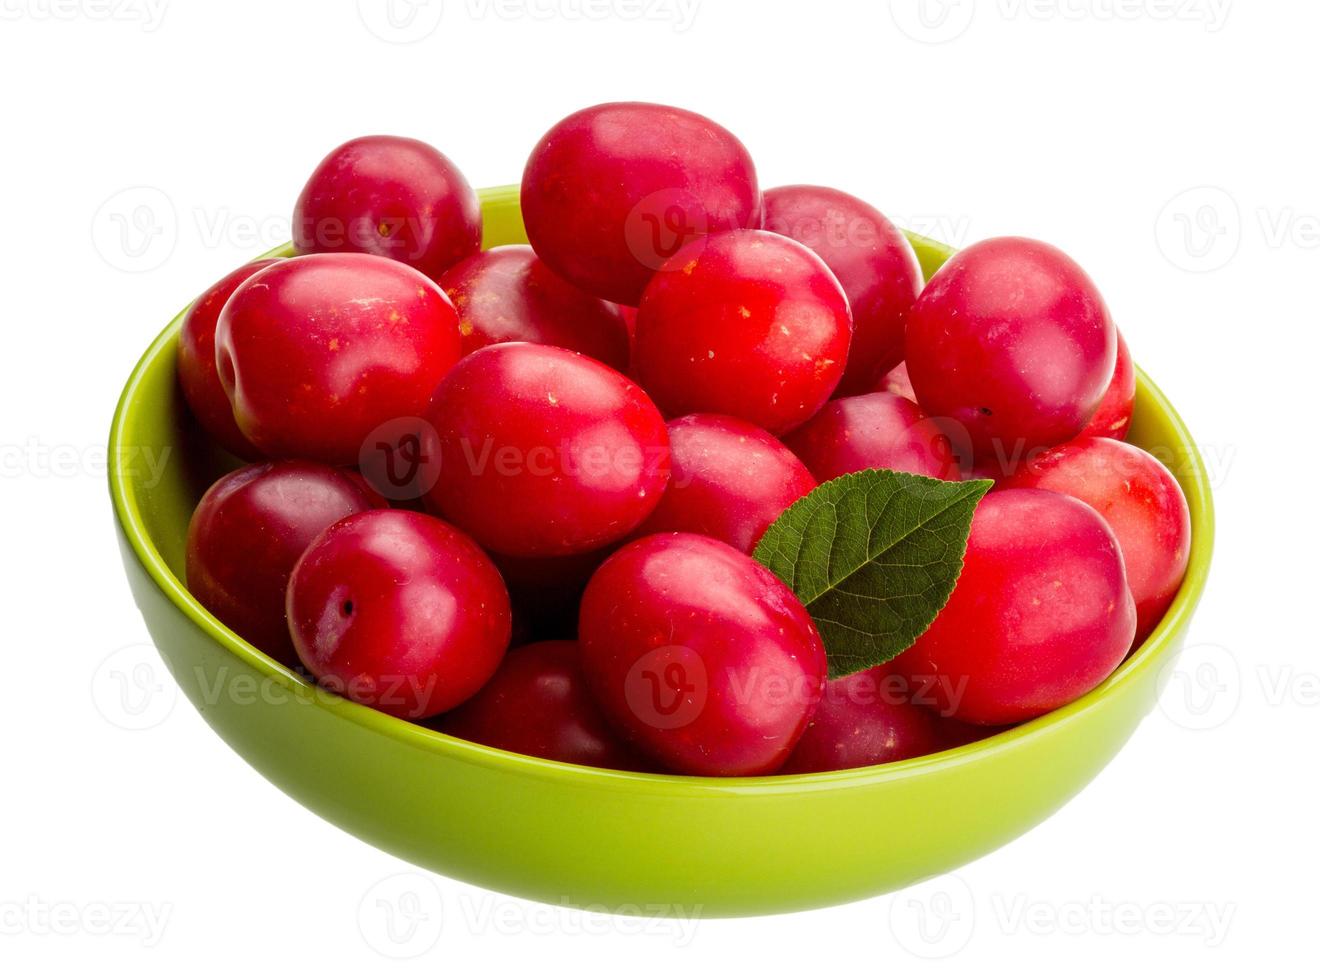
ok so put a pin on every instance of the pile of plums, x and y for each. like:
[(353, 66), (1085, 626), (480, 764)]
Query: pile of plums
[(575, 445)]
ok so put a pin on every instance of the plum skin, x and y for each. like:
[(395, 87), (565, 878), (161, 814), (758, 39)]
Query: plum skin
[(508, 294), (1114, 416), (1011, 342), (543, 451), (400, 611), (537, 704), (873, 431), (729, 480), (315, 352), (744, 323), (700, 656), (860, 722), (874, 264), (1141, 502), (1041, 614), (389, 196), (249, 530), (896, 382), (198, 377), (613, 190)]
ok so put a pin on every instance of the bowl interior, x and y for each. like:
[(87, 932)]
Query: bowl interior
[(161, 463)]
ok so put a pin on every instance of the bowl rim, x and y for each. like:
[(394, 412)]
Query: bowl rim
[(1140, 667)]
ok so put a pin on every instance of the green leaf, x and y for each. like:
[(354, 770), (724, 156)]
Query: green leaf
[(873, 556)]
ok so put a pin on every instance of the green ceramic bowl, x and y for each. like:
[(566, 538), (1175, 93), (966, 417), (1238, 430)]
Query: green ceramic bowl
[(590, 837)]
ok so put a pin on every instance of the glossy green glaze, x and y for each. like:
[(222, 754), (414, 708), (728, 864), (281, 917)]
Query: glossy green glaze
[(588, 837)]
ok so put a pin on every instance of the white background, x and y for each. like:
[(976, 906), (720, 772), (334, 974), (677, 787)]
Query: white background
[(1169, 145)]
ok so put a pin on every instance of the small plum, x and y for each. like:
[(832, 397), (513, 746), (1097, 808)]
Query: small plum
[(249, 530), (196, 363), (318, 351), (703, 658), (1041, 613), (1114, 416), (874, 431), (729, 480), (544, 451), (863, 721), (538, 704), (400, 611), (507, 293), (1142, 503), (744, 323), (1011, 342), (393, 197), (612, 191), (874, 263), (897, 382)]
